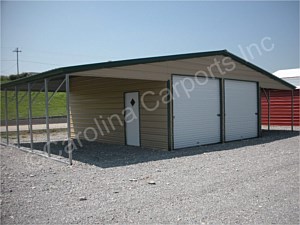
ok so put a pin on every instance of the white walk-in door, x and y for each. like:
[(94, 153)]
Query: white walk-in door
[(132, 120), (241, 112), (196, 111)]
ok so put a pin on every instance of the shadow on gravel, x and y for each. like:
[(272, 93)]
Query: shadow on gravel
[(109, 155)]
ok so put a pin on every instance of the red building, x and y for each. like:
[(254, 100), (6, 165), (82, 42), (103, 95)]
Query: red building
[(283, 105)]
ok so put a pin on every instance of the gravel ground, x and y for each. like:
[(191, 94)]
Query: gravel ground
[(253, 181)]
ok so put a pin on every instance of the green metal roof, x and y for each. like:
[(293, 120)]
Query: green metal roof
[(106, 65)]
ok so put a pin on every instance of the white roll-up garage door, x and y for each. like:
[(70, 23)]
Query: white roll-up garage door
[(241, 112), (196, 111)]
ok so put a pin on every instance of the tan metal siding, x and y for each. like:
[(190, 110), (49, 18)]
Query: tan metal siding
[(92, 97)]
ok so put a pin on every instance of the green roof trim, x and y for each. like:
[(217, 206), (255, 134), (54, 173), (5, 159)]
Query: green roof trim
[(129, 62)]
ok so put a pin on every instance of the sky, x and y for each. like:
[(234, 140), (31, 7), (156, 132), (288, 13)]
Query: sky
[(54, 34)]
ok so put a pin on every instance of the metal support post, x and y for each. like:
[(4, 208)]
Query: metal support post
[(17, 116), (292, 110), (269, 109), (259, 130), (68, 117), (47, 117), (30, 115), (222, 110), (6, 117)]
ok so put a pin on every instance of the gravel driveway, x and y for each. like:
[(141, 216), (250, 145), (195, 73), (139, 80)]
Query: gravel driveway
[(250, 181)]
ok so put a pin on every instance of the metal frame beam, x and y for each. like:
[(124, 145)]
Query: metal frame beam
[(6, 117), (267, 95), (68, 117), (47, 117), (269, 109), (35, 96), (56, 90), (22, 98), (258, 110), (222, 109), (292, 110), (17, 116), (13, 97), (30, 115)]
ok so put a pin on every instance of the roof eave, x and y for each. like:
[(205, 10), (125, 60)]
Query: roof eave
[(88, 67), (94, 66), (252, 66)]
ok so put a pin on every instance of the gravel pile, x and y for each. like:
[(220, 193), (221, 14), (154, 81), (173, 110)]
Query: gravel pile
[(250, 181)]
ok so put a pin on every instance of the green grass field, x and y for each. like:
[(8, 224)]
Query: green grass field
[(57, 106)]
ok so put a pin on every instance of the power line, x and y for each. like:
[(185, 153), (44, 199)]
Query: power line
[(10, 60), (7, 69), (53, 64), (17, 51)]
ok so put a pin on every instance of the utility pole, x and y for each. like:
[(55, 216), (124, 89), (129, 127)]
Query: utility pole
[(17, 51)]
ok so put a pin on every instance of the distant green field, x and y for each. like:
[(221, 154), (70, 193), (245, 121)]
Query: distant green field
[(57, 106)]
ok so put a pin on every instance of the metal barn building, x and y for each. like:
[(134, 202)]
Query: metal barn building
[(167, 102)]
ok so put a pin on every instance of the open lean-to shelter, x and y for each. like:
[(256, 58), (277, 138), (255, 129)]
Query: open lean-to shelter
[(167, 102), (282, 107)]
